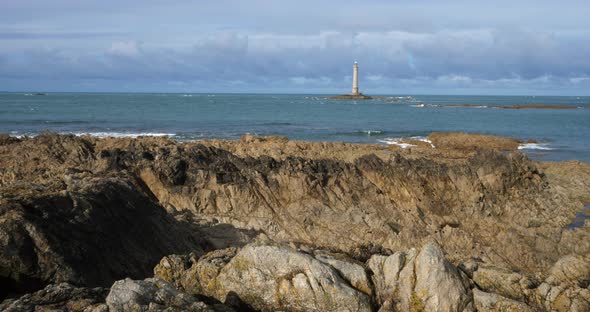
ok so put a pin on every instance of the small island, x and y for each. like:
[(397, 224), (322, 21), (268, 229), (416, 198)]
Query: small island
[(359, 96), (355, 94)]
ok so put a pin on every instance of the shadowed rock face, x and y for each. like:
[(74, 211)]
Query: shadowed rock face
[(92, 233), (91, 211), (61, 221), (60, 297)]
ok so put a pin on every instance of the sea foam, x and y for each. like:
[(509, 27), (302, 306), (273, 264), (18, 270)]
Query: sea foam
[(535, 146), (396, 141), (124, 134)]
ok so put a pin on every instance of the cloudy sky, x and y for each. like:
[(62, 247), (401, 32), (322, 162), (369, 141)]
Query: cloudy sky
[(403, 47)]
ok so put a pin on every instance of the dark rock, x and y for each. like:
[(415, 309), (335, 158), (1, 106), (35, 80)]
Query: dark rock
[(62, 297)]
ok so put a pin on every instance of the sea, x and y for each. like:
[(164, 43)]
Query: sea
[(560, 134)]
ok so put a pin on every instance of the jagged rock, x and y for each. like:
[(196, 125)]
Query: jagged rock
[(571, 270), (393, 279), (154, 294), (101, 209), (62, 297), (151, 294), (419, 280), (172, 268), (499, 281), (566, 286), (564, 289), (472, 142), (268, 276), (486, 302), (351, 270), (439, 285), (102, 230)]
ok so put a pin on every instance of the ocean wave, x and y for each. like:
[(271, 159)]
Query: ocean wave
[(124, 134), (278, 123), (423, 139), (53, 122), (400, 141), (371, 132), (535, 146), (397, 142)]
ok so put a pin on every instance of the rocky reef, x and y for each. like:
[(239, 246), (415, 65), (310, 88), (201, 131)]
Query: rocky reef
[(464, 223), (359, 96)]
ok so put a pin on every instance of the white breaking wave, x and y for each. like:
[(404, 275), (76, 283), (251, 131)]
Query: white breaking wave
[(100, 134), (423, 139), (396, 142), (369, 132), (534, 146), (124, 134)]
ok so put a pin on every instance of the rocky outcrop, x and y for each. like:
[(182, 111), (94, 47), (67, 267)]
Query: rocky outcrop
[(60, 297), (269, 277), (488, 199), (151, 294), (486, 302), (419, 280), (155, 294), (471, 142), (565, 287), (92, 233), (92, 211), (351, 97)]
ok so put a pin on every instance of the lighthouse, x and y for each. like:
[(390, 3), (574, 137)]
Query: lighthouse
[(355, 94), (355, 78)]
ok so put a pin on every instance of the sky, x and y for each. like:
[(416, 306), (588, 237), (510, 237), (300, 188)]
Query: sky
[(528, 47)]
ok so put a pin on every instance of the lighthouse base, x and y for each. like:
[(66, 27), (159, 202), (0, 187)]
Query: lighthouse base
[(359, 96)]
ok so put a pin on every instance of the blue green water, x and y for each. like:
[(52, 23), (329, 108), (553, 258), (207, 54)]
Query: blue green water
[(563, 134)]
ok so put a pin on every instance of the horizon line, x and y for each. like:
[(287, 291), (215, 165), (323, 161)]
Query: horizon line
[(288, 93)]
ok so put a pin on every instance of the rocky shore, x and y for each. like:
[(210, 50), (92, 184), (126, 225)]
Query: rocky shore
[(351, 97), (463, 223)]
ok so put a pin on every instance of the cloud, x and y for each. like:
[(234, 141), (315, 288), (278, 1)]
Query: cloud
[(33, 34), (265, 46), (125, 48)]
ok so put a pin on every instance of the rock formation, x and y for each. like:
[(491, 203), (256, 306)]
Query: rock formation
[(271, 277), (151, 294), (359, 96), (459, 226)]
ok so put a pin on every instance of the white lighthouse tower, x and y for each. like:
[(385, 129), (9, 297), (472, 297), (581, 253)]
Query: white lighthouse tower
[(355, 94), (355, 78)]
